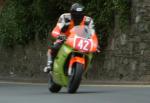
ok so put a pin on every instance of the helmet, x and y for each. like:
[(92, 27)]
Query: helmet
[(76, 11), (76, 7)]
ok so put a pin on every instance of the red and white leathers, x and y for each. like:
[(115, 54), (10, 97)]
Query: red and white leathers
[(63, 26), (66, 20)]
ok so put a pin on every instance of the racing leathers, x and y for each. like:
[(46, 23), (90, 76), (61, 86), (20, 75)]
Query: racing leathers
[(63, 27)]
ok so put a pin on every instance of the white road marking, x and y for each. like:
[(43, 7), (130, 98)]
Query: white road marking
[(88, 85), (22, 83), (117, 85)]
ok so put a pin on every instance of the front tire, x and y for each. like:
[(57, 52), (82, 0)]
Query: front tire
[(52, 86), (75, 78)]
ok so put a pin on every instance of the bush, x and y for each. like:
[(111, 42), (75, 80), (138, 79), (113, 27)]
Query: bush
[(9, 29), (22, 21)]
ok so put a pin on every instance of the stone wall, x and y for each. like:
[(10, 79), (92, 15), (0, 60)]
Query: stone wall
[(127, 56), (141, 31), (23, 62)]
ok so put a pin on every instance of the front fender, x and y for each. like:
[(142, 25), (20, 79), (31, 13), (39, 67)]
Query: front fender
[(73, 60)]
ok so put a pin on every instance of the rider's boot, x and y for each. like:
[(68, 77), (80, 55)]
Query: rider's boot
[(48, 68)]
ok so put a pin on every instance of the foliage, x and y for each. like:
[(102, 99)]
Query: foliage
[(9, 29), (22, 21), (122, 8), (103, 13)]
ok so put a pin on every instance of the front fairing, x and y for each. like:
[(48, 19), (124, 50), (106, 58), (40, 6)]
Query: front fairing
[(74, 43), (58, 68), (80, 39)]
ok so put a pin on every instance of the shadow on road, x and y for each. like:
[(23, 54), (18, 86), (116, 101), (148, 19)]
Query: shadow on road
[(89, 92)]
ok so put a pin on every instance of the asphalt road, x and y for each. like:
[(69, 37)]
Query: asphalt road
[(38, 93)]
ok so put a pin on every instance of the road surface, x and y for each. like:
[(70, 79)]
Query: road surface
[(38, 93)]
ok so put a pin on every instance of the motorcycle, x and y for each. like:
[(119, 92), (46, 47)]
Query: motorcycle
[(72, 60)]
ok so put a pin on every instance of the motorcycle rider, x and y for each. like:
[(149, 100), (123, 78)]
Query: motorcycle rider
[(65, 23)]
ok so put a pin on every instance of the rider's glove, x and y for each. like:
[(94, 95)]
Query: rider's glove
[(98, 50)]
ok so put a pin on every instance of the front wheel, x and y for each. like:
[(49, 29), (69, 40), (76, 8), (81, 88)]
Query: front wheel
[(75, 78), (52, 86)]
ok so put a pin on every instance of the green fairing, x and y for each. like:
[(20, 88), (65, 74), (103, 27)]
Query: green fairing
[(58, 70), (58, 73)]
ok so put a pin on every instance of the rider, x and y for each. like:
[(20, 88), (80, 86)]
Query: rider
[(65, 23)]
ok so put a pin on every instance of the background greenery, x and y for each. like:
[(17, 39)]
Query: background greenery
[(23, 21)]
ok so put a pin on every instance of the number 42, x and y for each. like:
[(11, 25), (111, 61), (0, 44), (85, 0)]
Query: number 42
[(83, 45)]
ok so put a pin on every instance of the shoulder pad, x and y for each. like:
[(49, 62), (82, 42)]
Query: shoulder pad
[(66, 17), (87, 20)]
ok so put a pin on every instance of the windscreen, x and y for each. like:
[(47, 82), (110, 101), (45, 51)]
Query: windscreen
[(81, 31)]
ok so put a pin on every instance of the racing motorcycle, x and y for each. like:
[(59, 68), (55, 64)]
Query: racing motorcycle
[(72, 60)]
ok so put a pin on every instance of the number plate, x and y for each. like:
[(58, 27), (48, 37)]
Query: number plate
[(83, 44)]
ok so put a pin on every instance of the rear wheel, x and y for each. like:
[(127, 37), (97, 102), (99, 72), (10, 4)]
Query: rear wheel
[(52, 86), (75, 78)]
